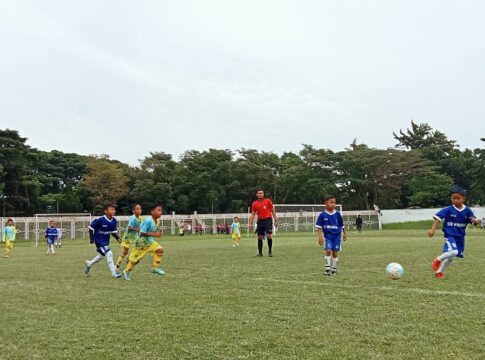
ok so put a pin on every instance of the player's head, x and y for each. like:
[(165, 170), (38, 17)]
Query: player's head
[(236, 219), (260, 194), (51, 223), (458, 196), (109, 209), (10, 222), (330, 201), (136, 209), (156, 211)]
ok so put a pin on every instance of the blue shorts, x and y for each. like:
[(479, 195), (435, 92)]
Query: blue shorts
[(455, 243), (102, 249), (50, 241), (333, 243)]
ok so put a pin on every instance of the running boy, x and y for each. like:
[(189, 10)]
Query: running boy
[(330, 228), (9, 232), (100, 231), (455, 218), (236, 232), (149, 230), (51, 238), (131, 234)]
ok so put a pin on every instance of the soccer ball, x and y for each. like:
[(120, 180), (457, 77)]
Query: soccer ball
[(394, 271)]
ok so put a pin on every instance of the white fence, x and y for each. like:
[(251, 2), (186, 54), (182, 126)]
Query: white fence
[(405, 215), (77, 227)]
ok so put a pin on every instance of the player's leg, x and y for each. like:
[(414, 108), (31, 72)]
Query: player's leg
[(109, 260), (238, 239), (125, 248), (97, 258), (136, 256), (328, 255), (450, 251), (335, 252), (8, 248), (269, 236), (261, 232), (157, 251)]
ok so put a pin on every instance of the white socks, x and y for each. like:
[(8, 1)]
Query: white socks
[(335, 262), (447, 255), (444, 265), (95, 260), (50, 250), (111, 264), (327, 262)]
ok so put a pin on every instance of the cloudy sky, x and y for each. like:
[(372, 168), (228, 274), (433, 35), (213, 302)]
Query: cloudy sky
[(128, 77)]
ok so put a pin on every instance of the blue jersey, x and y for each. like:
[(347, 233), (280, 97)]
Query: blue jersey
[(103, 228), (51, 233), (455, 220), (330, 223)]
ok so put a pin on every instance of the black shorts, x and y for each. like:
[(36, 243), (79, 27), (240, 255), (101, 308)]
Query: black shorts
[(265, 227)]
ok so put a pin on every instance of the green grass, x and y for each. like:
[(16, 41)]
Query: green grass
[(409, 225), (217, 302)]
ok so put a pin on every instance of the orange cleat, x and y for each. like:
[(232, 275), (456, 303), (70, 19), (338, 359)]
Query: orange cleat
[(436, 264), (439, 275)]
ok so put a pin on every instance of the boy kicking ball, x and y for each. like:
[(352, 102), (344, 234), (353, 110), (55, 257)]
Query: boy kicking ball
[(455, 220), (331, 230)]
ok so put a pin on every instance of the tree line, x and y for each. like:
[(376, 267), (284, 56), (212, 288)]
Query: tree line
[(419, 171)]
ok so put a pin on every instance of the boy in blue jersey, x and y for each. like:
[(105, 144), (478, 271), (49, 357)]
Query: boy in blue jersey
[(100, 231), (331, 231), (455, 220), (51, 238)]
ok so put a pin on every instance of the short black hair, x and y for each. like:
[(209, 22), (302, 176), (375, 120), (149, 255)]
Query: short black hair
[(259, 190), (108, 205), (329, 197), (458, 190), (135, 205), (10, 219), (154, 206)]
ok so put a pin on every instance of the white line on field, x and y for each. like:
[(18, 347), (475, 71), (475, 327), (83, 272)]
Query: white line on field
[(382, 288)]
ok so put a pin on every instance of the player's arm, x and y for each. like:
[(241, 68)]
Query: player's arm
[(91, 229), (4, 236), (274, 214), (342, 225), (133, 228), (116, 236), (145, 231), (433, 227), (320, 236), (251, 218)]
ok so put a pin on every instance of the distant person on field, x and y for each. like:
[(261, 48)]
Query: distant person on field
[(376, 208), (9, 232), (482, 223), (331, 231), (58, 242), (358, 223), (236, 232), (455, 219), (51, 238), (266, 213)]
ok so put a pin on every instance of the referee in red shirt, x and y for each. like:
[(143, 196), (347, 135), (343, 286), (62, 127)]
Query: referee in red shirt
[(265, 210)]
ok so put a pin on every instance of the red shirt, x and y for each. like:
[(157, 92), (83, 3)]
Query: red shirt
[(264, 208)]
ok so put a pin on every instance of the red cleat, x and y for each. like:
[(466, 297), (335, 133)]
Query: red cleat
[(436, 264), (439, 275)]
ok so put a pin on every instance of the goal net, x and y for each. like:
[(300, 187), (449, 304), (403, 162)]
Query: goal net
[(72, 226)]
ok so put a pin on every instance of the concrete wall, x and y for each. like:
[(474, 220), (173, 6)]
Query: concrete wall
[(405, 215)]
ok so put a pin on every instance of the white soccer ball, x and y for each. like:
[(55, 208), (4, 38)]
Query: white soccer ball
[(394, 271)]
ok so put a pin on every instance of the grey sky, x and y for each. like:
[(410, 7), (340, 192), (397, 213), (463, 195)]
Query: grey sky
[(129, 77)]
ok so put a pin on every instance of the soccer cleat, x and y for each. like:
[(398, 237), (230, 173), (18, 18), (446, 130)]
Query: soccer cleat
[(117, 275), (334, 272), (270, 254), (259, 255), (439, 275), (436, 264), (158, 271), (326, 272), (87, 268), (126, 275)]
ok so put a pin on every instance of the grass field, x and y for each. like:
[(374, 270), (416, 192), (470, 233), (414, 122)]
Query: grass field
[(217, 302)]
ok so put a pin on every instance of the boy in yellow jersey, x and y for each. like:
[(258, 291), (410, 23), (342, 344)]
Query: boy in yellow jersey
[(9, 237), (236, 232), (131, 234), (149, 230)]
